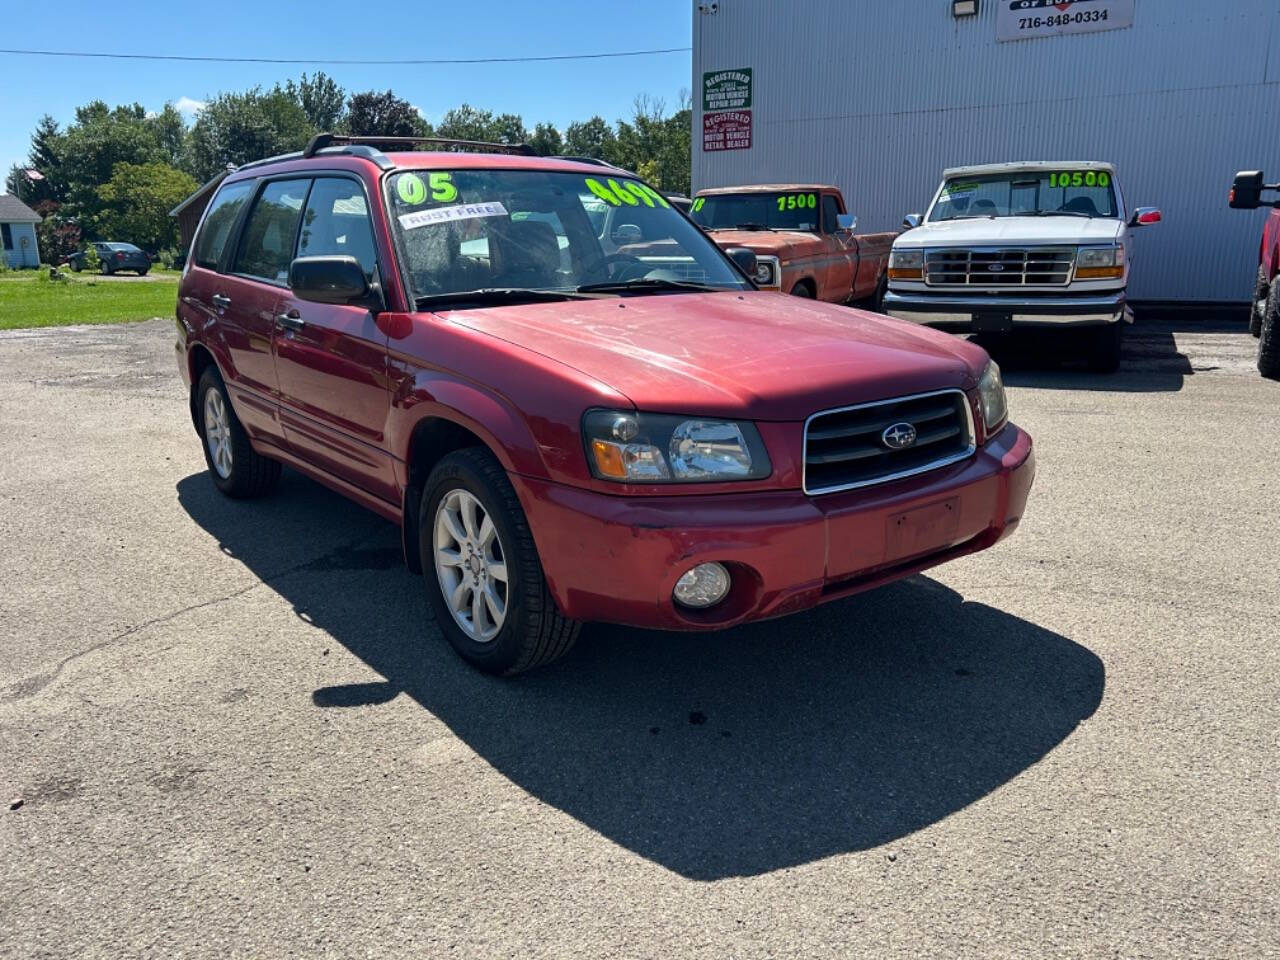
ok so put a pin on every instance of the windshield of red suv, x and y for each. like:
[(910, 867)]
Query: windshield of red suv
[(470, 230), (785, 210), (1048, 193)]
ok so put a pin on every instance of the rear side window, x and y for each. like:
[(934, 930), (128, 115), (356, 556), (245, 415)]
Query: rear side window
[(266, 245), (222, 215), (830, 214), (337, 223)]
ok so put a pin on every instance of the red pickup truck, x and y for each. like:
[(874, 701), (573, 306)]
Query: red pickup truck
[(563, 430), (1264, 317), (803, 238)]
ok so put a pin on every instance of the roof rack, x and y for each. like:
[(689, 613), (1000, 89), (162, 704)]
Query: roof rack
[(322, 141)]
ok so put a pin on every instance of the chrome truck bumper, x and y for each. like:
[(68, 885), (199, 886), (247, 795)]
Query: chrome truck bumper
[(967, 313)]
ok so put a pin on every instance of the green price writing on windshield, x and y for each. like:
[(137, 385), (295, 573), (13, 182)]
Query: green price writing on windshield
[(1080, 178), (798, 201), (698, 204), (628, 191)]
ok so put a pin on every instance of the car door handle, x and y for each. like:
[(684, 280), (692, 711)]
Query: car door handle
[(222, 301), (290, 321)]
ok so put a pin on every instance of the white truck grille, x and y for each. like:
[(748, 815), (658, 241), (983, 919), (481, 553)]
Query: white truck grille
[(1000, 267)]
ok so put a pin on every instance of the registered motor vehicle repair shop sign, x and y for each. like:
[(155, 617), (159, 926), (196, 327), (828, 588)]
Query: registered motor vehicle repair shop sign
[(1027, 19)]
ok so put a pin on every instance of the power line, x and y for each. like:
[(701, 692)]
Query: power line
[(330, 62)]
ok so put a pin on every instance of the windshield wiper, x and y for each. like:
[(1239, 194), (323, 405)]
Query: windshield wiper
[(751, 226), (647, 283), (1063, 213), (497, 296)]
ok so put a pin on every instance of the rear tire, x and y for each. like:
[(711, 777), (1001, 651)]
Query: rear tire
[(1104, 347), (481, 569), (142, 273), (1261, 287), (1269, 336), (234, 466)]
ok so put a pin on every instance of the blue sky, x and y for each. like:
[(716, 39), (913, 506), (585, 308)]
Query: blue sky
[(556, 92)]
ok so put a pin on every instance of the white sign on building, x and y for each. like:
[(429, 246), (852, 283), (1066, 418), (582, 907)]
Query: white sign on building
[(1028, 19)]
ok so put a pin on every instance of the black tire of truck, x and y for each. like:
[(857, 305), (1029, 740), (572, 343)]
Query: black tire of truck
[(1258, 306), (533, 631), (803, 289), (244, 474), (1104, 347), (1269, 337)]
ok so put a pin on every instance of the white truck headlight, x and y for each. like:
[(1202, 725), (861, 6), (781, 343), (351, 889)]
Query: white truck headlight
[(995, 410), (651, 448), (906, 264), (767, 272), (1100, 263)]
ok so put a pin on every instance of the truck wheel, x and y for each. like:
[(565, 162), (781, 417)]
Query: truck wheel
[(1269, 338), (802, 289), (1104, 348), (236, 470), (1259, 305), (483, 577)]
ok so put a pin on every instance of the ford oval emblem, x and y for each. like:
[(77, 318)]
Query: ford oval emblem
[(996, 268), (899, 436)]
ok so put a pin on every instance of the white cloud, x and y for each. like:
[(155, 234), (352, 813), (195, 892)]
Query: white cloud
[(419, 111), (188, 106)]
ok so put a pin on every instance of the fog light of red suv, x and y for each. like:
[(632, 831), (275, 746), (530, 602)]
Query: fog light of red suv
[(703, 586)]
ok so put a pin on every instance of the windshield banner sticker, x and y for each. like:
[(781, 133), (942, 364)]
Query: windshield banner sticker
[(463, 211), (1028, 19)]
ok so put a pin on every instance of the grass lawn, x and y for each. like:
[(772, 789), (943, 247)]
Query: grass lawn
[(29, 299)]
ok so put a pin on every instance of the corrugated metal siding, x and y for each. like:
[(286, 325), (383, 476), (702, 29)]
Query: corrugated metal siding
[(879, 97), (20, 256)]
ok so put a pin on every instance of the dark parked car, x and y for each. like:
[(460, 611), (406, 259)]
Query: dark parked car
[(114, 257)]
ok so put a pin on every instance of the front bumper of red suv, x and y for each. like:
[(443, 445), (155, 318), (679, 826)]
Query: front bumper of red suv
[(617, 559)]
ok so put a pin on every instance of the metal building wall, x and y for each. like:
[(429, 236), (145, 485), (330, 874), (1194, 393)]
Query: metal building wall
[(878, 96)]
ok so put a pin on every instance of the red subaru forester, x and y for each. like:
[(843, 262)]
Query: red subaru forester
[(576, 407)]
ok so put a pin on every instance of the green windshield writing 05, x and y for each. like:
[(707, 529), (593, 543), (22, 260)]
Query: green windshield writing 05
[(411, 189), (798, 201), (629, 192), (1080, 178)]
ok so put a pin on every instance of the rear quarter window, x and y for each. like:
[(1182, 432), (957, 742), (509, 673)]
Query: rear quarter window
[(223, 213)]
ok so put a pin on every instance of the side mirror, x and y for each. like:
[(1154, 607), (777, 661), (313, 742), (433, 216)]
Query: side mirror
[(1145, 217), (846, 221), (1246, 191), (911, 221), (744, 258), (339, 280)]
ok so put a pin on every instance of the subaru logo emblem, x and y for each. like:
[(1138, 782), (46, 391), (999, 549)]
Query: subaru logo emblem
[(899, 436), (996, 268)]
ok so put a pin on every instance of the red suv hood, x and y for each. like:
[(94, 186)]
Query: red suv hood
[(761, 356)]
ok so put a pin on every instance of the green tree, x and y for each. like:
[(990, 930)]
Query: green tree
[(546, 140), (592, 138), (372, 114), (171, 134), (238, 128), (136, 202), (321, 99), (466, 123), (91, 148)]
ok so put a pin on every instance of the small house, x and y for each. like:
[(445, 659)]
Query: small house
[(190, 210), (18, 232)]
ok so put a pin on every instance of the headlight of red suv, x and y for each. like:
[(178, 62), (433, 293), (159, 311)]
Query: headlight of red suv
[(653, 448), (991, 399)]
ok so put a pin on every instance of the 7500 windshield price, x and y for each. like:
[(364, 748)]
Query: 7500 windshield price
[(1062, 19)]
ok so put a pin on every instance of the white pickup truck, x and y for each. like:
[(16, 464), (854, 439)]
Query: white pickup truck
[(1014, 245)]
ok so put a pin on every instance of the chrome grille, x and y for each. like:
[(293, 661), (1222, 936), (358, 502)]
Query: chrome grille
[(1002, 267), (844, 448)]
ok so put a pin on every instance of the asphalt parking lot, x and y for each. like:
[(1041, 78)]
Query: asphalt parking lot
[(235, 731)]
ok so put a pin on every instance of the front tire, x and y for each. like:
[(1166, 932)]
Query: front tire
[(1269, 336), (481, 569), (1104, 347), (1258, 308), (802, 289), (236, 469)]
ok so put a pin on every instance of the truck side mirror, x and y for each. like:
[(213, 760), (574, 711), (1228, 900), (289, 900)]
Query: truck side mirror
[(1145, 217), (744, 258), (911, 221), (1246, 191), (847, 222)]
